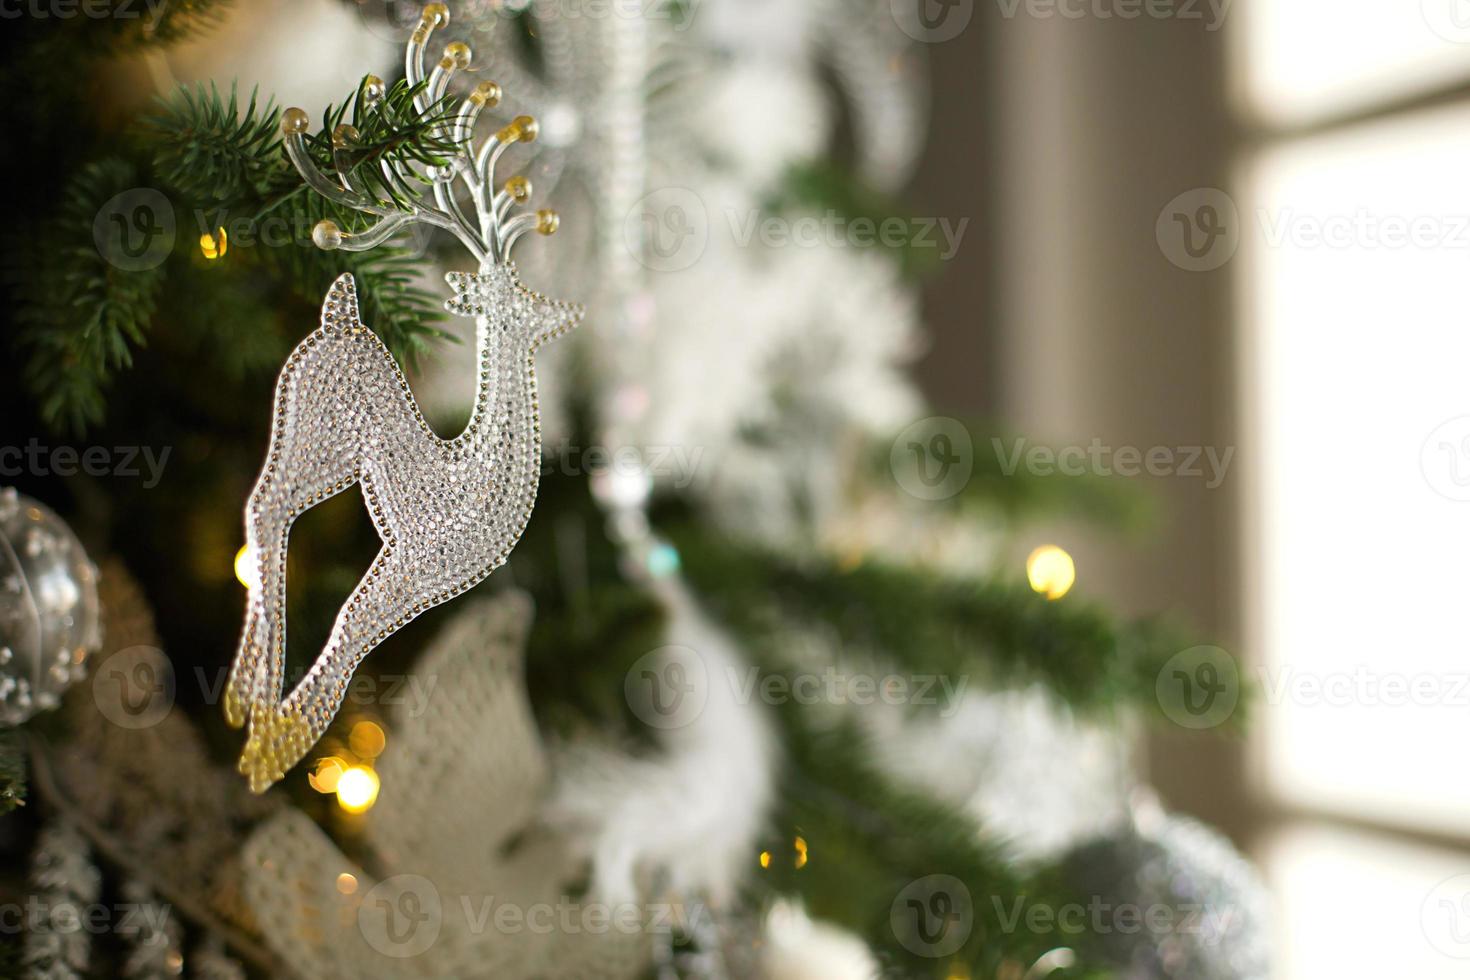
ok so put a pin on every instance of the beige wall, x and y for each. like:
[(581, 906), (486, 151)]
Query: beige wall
[(1063, 140)]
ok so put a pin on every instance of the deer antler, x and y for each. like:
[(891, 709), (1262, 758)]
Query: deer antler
[(492, 232)]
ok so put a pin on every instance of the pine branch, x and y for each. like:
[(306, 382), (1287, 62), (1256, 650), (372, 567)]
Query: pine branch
[(132, 23), (216, 155), (402, 313), (867, 840), (389, 132), (209, 151), (999, 483), (80, 315), (12, 772), (114, 28), (1000, 630)]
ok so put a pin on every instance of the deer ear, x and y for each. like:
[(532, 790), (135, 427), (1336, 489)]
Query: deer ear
[(340, 306)]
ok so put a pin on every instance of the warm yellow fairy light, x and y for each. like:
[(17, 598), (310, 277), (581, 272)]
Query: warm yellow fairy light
[(765, 859), (1051, 571), (800, 845), (214, 246), (328, 774), (367, 740), (357, 789), (346, 883), (245, 567)]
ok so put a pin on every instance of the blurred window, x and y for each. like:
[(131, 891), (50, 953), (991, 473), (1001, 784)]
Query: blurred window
[(1355, 299)]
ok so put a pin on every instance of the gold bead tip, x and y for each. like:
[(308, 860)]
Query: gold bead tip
[(235, 713), (345, 134), (326, 235), (435, 15), (373, 88), (528, 126), (547, 221), (486, 94), (519, 189), (294, 121), (456, 56)]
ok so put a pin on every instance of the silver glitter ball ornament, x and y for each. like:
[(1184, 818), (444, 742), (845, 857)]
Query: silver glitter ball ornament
[(50, 618), (1171, 899)]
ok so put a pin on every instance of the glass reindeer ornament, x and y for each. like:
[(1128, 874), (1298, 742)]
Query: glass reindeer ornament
[(449, 511)]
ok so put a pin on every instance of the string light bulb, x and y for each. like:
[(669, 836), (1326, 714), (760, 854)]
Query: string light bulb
[(245, 567), (367, 740), (214, 246), (357, 789), (327, 775), (1051, 571)]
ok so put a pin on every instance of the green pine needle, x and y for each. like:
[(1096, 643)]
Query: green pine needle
[(994, 632), (12, 772), (209, 151), (80, 316), (869, 839)]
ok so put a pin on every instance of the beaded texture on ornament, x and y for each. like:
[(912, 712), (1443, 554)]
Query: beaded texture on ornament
[(449, 511)]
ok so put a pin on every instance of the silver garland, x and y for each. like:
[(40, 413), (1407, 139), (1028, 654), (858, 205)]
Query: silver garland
[(65, 885), (156, 939)]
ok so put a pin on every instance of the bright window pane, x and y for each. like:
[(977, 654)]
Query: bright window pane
[(1359, 351), (1302, 58), (1353, 907)]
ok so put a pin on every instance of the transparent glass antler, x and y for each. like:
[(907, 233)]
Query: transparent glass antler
[(491, 232)]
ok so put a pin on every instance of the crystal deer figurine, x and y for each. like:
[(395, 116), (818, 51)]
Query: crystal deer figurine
[(448, 511)]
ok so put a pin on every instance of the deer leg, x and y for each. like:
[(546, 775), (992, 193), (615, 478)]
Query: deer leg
[(292, 482), (280, 736)]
